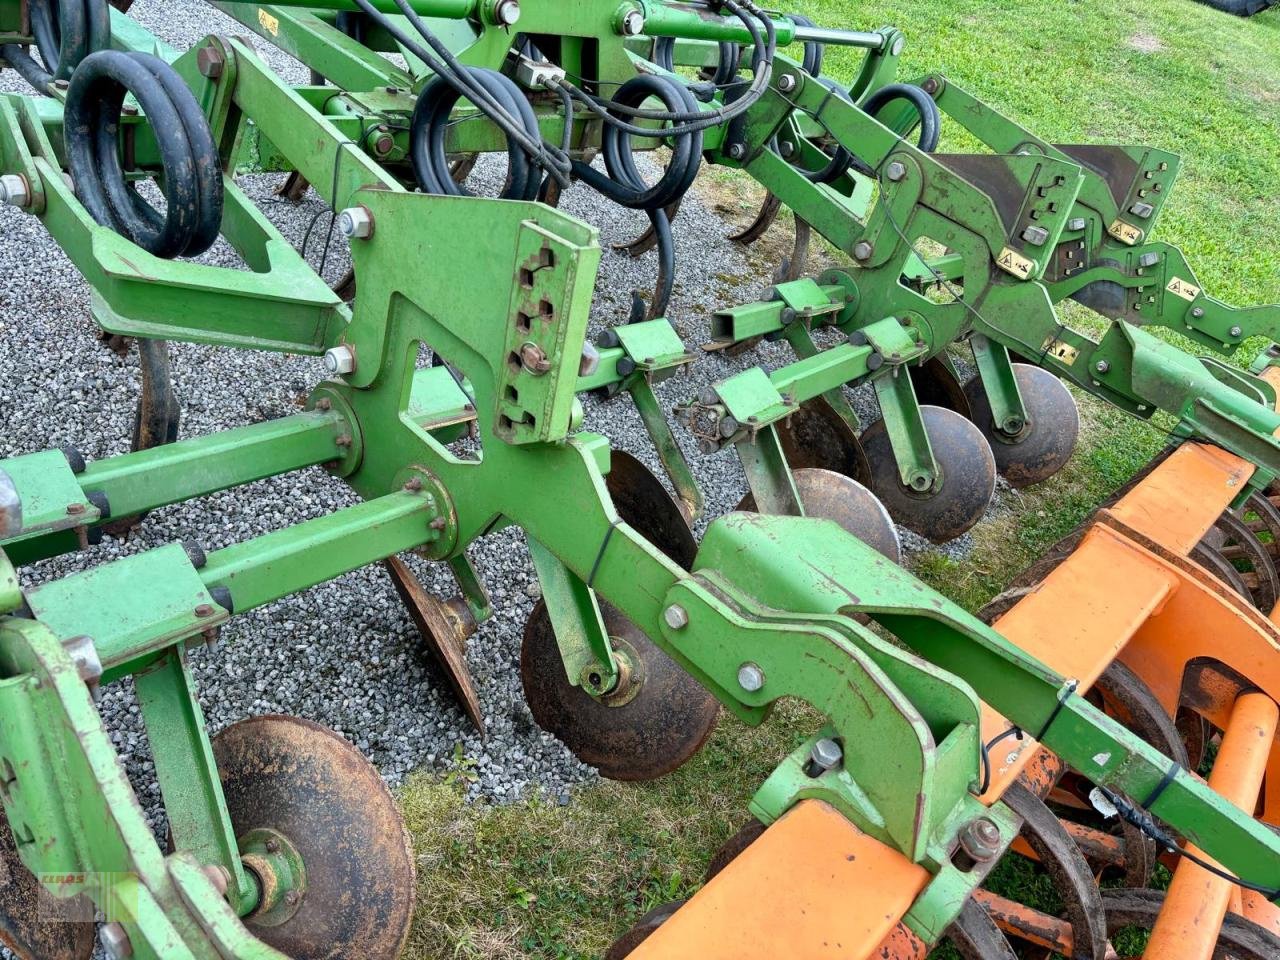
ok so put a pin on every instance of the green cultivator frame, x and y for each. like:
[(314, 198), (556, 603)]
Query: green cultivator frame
[(282, 840)]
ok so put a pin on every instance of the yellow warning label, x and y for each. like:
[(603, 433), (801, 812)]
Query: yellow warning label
[(1125, 233), (269, 23), (1180, 288), (1010, 261), (1060, 350)]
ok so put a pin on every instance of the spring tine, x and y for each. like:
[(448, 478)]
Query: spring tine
[(760, 225), (793, 268), (1067, 867), (649, 239), (294, 188), (976, 937)]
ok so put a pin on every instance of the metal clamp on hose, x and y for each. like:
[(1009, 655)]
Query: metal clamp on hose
[(192, 180)]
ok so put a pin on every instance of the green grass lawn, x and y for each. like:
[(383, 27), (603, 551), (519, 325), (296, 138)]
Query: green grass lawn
[(548, 881)]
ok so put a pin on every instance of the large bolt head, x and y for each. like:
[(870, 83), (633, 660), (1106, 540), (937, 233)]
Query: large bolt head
[(787, 82), (356, 223), (895, 171), (750, 677), (676, 617), (1077, 223), (340, 360), (981, 840), (737, 151), (15, 191), (862, 251), (633, 23), (115, 941), (826, 753), (1036, 235), (507, 12), (210, 62)]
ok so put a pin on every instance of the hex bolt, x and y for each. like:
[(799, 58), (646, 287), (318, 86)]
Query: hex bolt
[(750, 677), (825, 755), (340, 360), (1077, 223), (633, 23), (1102, 366), (356, 223), (863, 251), (1036, 236), (787, 82), (75, 509), (506, 12), (15, 191), (1235, 331), (981, 840), (1148, 259), (1197, 312), (115, 941), (210, 61), (896, 171), (787, 149), (737, 151), (676, 617)]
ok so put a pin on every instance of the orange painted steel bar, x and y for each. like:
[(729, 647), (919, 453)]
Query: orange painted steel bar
[(813, 887), (1198, 900), (1052, 933)]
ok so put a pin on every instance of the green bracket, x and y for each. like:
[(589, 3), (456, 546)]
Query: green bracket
[(588, 655), (1000, 384), (908, 437)]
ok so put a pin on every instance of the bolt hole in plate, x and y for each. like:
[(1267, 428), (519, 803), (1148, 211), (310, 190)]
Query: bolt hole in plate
[(305, 783), (833, 496), (967, 482), (25, 925), (1046, 443)]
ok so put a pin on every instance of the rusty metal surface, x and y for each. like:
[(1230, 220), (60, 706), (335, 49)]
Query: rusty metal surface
[(817, 436), (834, 496), (22, 928), (1240, 939), (1067, 868), (1240, 547), (649, 239), (315, 789), (444, 627), (641, 932), (666, 723), (764, 219), (644, 504), (937, 386), (968, 475), (733, 848), (975, 935), (1046, 443)]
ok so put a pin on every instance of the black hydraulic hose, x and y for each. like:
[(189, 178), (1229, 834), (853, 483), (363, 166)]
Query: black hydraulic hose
[(930, 115), (192, 181), (65, 31), (624, 184), (430, 126)]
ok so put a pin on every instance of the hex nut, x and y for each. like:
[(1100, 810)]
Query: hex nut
[(787, 82), (863, 251), (340, 360), (1102, 366), (676, 617), (15, 191), (1035, 235), (1077, 223), (750, 677), (895, 171), (737, 151), (356, 223), (981, 840)]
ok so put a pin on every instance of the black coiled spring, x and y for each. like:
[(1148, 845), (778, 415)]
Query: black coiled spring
[(65, 31)]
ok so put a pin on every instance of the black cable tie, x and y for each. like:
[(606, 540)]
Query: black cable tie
[(1067, 690), (1169, 775), (604, 545)]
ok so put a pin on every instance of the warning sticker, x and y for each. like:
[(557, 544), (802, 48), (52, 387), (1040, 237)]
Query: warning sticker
[(1180, 288), (1010, 261), (269, 23), (1126, 233)]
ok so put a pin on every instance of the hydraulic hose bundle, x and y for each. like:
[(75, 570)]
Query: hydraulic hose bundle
[(66, 31), (192, 181)]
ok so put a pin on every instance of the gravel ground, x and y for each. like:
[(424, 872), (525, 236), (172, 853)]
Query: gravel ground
[(345, 653)]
